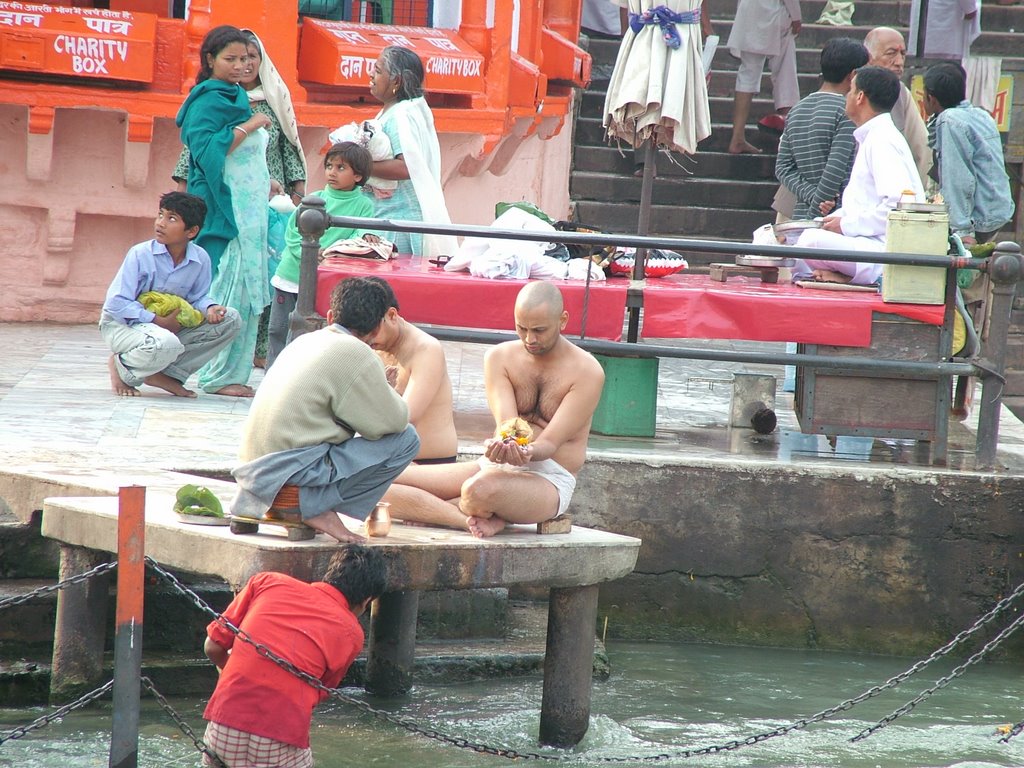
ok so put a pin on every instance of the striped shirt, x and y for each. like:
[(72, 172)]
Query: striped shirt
[(816, 152)]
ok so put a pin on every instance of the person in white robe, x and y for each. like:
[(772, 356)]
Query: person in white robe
[(950, 28), (882, 173), (764, 31), (657, 90)]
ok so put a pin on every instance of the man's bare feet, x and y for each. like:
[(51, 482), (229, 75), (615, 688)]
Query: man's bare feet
[(743, 148), (169, 384), (484, 527), (235, 390), (117, 384), (830, 276), (331, 524)]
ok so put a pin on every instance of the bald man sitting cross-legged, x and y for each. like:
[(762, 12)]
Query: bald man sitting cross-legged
[(542, 378)]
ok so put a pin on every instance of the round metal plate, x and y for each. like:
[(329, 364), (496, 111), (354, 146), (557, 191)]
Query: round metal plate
[(202, 519)]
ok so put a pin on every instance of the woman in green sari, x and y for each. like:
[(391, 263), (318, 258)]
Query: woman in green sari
[(229, 171)]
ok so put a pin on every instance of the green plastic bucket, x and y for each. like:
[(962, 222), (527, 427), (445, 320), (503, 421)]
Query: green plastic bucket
[(629, 401)]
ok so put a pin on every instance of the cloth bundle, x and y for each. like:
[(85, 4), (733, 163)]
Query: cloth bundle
[(499, 258), (164, 303), (381, 250)]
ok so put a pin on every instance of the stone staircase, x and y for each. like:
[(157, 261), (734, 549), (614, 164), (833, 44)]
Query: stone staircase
[(727, 196)]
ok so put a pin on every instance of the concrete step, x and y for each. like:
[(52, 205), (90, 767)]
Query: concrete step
[(1015, 352), (1014, 384), (26, 682), (170, 623), (992, 41), (24, 553), (712, 159), (728, 223), (886, 13), (592, 106), (673, 190)]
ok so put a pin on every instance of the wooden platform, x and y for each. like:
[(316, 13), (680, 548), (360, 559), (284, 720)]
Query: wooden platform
[(570, 564)]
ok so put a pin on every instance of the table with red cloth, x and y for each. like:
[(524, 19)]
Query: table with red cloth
[(697, 307), (682, 306), (428, 294)]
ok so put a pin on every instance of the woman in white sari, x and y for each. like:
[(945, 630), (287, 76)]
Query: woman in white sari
[(397, 82)]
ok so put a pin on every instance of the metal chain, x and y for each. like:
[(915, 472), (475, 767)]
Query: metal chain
[(180, 722), (944, 681), (414, 727), (19, 599), (57, 714)]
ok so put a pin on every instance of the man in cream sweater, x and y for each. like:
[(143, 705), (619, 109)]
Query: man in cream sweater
[(325, 419)]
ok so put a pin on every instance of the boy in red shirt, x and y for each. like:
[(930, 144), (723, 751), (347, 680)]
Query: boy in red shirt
[(260, 713)]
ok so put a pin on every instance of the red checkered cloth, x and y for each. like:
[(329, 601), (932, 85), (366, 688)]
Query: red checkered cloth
[(239, 749)]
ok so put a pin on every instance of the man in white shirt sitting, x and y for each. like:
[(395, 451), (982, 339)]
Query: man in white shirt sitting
[(882, 172)]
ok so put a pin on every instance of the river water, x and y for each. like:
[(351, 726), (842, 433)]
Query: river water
[(660, 698)]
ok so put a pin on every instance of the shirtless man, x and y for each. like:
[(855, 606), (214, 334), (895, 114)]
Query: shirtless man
[(417, 369), (546, 380)]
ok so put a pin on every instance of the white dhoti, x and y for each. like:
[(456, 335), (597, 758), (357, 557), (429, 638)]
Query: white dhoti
[(861, 273)]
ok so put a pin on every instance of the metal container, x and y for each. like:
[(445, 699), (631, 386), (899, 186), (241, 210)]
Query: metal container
[(378, 524), (788, 232), (910, 231)]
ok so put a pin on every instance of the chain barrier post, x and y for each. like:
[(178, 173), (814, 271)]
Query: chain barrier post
[(131, 573), (1004, 268)]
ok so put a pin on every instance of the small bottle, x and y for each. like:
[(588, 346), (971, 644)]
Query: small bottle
[(908, 197)]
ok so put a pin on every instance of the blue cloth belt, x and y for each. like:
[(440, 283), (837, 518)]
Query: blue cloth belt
[(665, 19)]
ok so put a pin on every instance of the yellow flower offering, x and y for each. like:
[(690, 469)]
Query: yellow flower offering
[(518, 430)]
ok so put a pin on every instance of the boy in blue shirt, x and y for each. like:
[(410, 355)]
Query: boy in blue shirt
[(158, 349), (347, 166), (968, 157)]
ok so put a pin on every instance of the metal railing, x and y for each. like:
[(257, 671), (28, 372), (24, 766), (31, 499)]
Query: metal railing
[(1004, 268)]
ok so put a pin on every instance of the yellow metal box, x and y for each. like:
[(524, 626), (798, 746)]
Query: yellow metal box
[(915, 232)]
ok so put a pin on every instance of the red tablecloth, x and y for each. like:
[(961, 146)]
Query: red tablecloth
[(675, 307), (431, 295), (697, 307)]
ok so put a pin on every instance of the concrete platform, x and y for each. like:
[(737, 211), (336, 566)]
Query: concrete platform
[(59, 416), (780, 539)]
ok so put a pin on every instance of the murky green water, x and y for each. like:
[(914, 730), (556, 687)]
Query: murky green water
[(659, 697)]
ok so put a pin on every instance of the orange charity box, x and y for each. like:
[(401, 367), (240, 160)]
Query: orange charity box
[(77, 42), (343, 54)]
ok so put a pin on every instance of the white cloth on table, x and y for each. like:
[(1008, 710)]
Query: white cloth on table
[(494, 257)]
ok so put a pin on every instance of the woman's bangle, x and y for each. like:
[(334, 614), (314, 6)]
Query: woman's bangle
[(240, 128)]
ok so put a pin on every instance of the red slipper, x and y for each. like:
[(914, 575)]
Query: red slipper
[(772, 124)]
